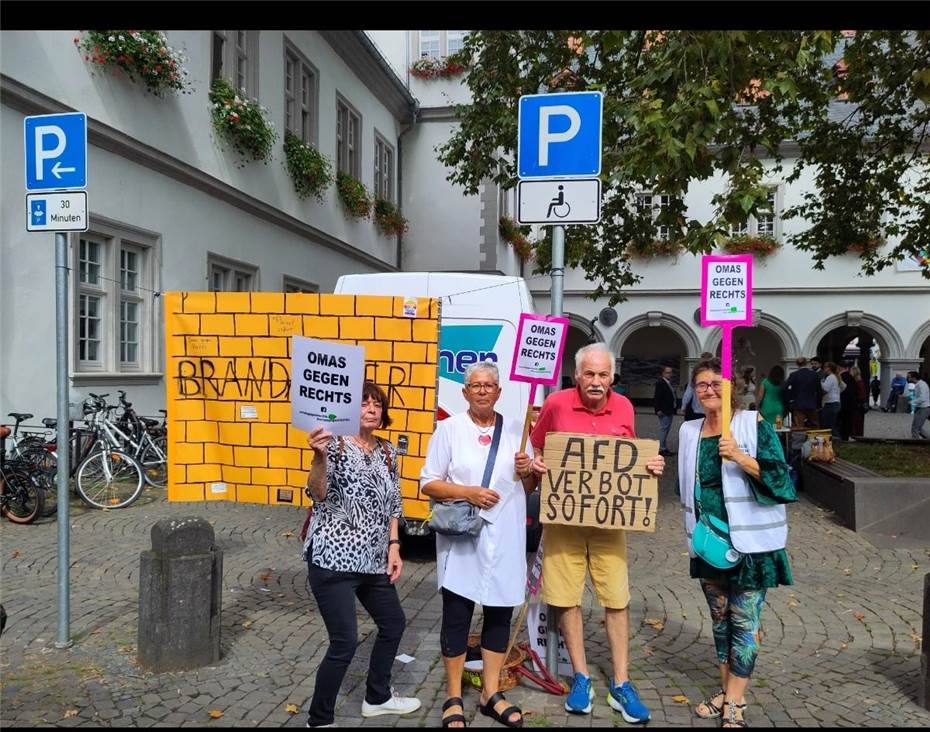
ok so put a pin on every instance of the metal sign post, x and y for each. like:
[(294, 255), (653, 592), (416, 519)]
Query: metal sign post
[(559, 161), (55, 156)]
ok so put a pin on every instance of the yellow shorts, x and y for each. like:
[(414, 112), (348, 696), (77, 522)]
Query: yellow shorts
[(569, 550)]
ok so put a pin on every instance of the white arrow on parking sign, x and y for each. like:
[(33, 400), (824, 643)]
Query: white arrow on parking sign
[(57, 169)]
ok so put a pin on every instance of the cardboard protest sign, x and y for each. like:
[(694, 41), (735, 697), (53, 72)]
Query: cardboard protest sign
[(599, 481), (726, 290), (326, 388), (537, 353)]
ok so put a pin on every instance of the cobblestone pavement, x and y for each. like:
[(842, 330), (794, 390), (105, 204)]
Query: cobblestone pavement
[(840, 648)]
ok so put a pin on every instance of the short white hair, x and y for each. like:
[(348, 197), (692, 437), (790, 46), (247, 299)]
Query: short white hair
[(488, 366), (593, 348)]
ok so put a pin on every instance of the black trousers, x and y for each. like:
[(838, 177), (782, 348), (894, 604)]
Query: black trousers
[(335, 594), (456, 620)]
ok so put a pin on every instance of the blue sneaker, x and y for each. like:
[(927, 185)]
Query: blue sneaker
[(581, 698), (625, 700)]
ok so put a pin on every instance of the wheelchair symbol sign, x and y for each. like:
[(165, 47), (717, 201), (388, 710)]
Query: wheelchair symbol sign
[(559, 201)]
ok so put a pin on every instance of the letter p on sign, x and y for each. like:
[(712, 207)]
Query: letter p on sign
[(559, 135)]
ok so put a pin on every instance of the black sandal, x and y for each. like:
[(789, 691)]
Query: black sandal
[(488, 710), (731, 719), (715, 711), (454, 701)]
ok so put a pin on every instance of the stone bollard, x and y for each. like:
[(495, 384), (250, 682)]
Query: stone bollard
[(925, 648), (180, 596)]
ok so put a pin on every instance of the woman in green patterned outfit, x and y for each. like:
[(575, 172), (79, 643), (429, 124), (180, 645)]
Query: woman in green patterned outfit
[(735, 596)]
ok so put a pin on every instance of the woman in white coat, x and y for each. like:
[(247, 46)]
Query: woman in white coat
[(488, 569)]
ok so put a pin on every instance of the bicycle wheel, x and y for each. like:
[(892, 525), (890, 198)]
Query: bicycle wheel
[(155, 462), (23, 498), (109, 479), (45, 465)]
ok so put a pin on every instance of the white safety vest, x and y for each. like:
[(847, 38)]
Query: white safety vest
[(754, 527)]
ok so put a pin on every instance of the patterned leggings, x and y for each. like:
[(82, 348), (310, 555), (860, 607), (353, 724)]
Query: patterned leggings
[(736, 617)]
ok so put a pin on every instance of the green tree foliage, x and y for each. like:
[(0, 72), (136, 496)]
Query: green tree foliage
[(847, 110)]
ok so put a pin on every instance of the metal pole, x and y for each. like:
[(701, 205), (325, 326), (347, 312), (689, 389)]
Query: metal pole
[(558, 274), (64, 444)]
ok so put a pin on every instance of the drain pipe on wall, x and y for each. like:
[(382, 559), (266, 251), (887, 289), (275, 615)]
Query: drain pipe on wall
[(414, 112)]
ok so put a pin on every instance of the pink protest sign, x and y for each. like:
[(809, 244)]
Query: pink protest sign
[(537, 353), (726, 289)]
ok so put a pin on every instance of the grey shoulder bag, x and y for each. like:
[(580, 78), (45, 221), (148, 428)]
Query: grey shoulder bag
[(459, 517)]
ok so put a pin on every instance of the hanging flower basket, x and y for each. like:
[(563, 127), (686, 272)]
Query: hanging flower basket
[(437, 68), (656, 248), (515, 235), (354, 196), (388, 219), (144, 56), (310, 170), (758, 246), (241, 122)]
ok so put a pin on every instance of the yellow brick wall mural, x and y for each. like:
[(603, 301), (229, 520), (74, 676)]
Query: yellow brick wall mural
[(228, 362)]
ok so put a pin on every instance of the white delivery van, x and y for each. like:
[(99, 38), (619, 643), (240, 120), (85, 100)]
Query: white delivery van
[(478, 319)]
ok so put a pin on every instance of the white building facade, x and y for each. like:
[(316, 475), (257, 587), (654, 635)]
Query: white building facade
[(171, 207), (798, 310)]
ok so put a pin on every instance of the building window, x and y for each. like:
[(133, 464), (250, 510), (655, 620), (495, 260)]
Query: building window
[(228, 275), (384, 169), (455, 40), (116, 314), (293, 284), (764, 223), (300, 95), (348, 136), (234, 57), (430, 44), (655, 202)]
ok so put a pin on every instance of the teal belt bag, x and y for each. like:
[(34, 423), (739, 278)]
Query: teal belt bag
[(711, 537)]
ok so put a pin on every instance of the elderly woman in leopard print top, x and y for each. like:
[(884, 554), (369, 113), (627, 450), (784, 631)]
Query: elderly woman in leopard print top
[(353, 551)]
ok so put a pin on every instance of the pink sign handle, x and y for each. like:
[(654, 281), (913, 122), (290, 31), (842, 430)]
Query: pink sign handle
[(726, 353)]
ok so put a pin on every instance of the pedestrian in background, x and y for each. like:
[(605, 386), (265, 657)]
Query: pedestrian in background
[(849, 402), (921, 404), (802, 394), (353, 551), (490, 568), (770, 395), (664, 401), (862, 402), (573, 551), (876, 388), (830, 411), (746, 497)]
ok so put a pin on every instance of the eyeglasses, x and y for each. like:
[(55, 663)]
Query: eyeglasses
[(706, 385), (480, 387)]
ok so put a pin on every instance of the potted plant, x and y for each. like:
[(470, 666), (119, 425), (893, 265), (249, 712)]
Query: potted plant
[(655, 248), (144, 56), (758, 246), (515, 235), (388, 219), (310, 170), (241, 122), (354, 196), (432, 68)]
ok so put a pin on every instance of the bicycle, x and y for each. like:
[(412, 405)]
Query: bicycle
[(109, 477), (32, 451), (148, 442), (22, 498)]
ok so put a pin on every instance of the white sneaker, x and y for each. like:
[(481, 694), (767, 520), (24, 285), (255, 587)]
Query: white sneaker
[(321, 725), (395, 705)]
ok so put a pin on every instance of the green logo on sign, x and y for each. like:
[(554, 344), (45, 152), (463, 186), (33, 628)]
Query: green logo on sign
[(331, 417)]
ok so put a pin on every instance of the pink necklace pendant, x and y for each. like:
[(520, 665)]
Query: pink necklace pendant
[(484, 439)]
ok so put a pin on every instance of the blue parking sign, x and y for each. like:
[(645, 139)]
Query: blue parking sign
[(559, 135), (56, 151)]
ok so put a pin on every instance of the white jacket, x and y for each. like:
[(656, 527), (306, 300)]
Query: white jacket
[(754, 527)]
